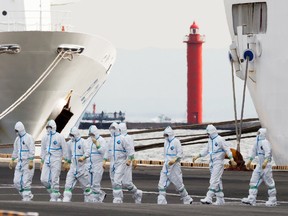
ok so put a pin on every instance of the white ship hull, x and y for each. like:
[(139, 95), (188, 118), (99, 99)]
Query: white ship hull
[(267, 74), (85, 74)]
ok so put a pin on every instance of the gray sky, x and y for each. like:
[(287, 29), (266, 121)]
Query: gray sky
[(137, 24), (149, 75)]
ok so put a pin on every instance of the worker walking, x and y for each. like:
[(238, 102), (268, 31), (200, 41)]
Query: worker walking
[(263, 170), (23, 152), (121, 154), (76, 156), (53, 145), (96, 147), (171, 170), (127, 179), (217, 148)]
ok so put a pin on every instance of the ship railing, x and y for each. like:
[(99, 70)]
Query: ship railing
[(36, 21)]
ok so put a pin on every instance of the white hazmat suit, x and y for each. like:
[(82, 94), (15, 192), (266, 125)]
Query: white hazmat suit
[(171, 170), (120, 152), (77, 171), (127, 179), (53, 145), (263, 170), (217, 148), (23, 152), (96, 147)]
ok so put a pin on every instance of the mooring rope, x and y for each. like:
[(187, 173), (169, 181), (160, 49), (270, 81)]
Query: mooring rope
[(23, 97)]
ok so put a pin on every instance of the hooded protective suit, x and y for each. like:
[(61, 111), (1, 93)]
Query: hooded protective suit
[(127, 179), (53, 145), (217, 148), (119, 151), (24, 152), (77, 171), (171, 170), (263, 170), (96, 147)]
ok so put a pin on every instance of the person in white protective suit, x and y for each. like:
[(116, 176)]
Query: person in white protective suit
[(127, 179), (263, 170), (96, 146), (171, 170), (53, 145), (23, 152), (76, 156), (217, 148), (121, 155)]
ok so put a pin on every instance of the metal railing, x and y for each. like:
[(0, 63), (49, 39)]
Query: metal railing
[(36, 21)]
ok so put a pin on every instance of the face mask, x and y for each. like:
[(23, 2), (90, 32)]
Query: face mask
[(166, 136), (112, 131), (48, 130), (17, 133), (72, 137)]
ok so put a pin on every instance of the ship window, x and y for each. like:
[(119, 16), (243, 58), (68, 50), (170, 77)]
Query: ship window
[(252, 16), (4, 13)]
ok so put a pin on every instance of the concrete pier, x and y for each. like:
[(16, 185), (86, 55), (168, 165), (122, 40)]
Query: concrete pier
[(146, 178)]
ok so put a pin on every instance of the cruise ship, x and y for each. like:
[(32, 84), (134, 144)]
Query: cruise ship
[(259, 55), (47, 70)]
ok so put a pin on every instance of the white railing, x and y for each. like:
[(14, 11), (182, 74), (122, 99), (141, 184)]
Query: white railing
[(36, 21)]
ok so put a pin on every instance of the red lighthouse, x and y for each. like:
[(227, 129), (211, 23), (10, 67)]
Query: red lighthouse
[(194, 78)]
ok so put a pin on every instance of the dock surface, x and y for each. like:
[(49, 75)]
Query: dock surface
[(196, 180)]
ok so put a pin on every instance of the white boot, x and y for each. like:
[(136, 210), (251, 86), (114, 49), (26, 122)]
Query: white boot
[(219, 198), (117, 200), (27, 196), (102, 196), (161, 199), (117, 196), (187, 200), (219, 201), (272, 201), (67, 196), (137, 196), (208, 199), (95, 197), (184, 196), (54, 197), (251, 199), (88, 195)]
